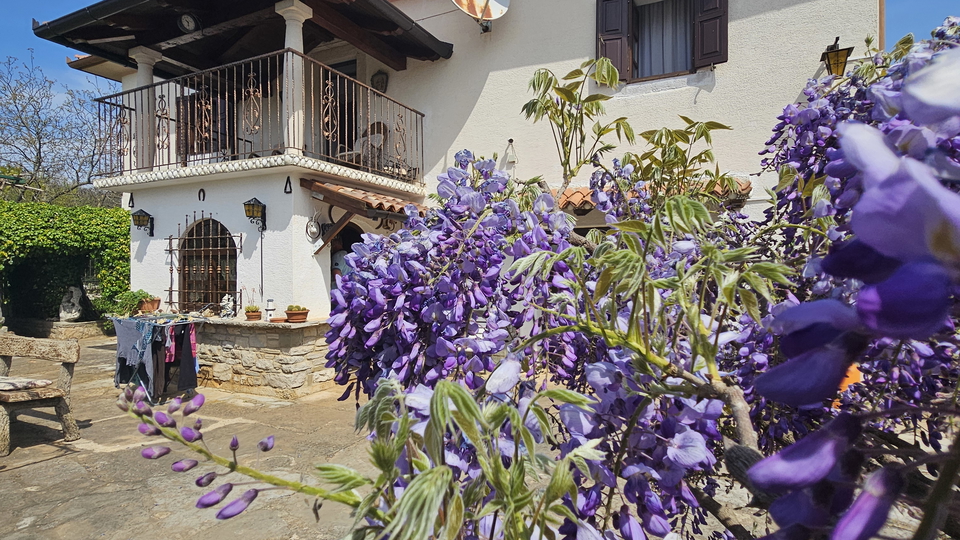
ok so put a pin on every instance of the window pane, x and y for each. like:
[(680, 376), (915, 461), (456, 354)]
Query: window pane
[(665, 37)]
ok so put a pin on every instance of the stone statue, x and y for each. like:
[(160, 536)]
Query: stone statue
[(70, 309), (227, 306)]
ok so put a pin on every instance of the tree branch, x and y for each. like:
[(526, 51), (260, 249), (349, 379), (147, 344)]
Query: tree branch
[(724, 514)]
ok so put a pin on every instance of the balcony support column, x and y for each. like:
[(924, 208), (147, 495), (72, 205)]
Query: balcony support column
[(294, 13), (144, 108)]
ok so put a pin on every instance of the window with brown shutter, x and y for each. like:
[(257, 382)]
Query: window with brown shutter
[(614, 39), (648, 39)]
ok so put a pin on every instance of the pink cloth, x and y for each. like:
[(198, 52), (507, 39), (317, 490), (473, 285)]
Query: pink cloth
[(170, 347)]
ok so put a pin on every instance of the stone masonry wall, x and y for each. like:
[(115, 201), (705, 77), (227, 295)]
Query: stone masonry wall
[(274, 359)]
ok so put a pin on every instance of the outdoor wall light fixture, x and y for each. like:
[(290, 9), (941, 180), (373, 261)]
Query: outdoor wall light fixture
[(257, 212), (143, 221), (836, 58)]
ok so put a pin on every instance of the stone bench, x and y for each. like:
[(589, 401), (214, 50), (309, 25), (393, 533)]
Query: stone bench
[(67, 353)]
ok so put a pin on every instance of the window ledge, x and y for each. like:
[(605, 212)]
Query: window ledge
[(704, 78)]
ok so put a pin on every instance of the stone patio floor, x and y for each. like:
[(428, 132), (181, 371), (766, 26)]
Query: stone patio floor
[(100, 487)]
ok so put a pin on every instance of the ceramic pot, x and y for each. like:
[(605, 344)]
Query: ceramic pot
[(253, 315), (149, 306), (297, 316)]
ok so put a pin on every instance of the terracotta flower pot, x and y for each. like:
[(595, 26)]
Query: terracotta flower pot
[(149, 306), (297, 316), (278, 319), (253, 315)]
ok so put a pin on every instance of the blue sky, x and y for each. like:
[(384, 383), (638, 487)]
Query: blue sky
[(16, 35)]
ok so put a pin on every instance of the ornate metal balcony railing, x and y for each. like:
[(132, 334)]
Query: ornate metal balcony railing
[(283, 102)]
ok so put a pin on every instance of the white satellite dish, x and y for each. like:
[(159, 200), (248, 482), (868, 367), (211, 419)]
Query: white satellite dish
[(483, 10)]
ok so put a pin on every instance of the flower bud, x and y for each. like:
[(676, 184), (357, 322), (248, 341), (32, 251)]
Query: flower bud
[(148, 429), (205, 480), (266, 445), (184, 465), (138, 395), (233, 509), (193, 405), (234, 443), (154, 452), (174, 405), (123, 404), (198, 424), (190, 434), (142, 409), (164, 420), (215, 496)]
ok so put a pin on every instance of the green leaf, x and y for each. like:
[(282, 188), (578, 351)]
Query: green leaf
[(454, 519), (750, 303), (596, 97), (567, 396), (345, 478), (565, 94), (773, 271), (635, 226)]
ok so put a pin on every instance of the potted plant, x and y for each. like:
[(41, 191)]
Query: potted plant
[(131, 302), (252, 312), (296, 314)]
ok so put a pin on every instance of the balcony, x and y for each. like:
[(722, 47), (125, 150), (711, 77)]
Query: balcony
[(277, 104)]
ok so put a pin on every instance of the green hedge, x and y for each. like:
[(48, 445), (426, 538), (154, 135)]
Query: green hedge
[(44, 249)]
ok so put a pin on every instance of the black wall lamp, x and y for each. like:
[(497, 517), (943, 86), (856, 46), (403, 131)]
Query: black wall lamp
[(257, 212), (143, 221), (836, 58)]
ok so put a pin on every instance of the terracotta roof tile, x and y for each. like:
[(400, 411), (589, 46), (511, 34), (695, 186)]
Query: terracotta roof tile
[(374, 201)]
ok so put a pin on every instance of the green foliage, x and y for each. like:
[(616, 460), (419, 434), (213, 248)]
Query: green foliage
[(252, 309), (727, 281), (573, 114), (430, 507), (681, 161), (295, 307), (57, 242), (126, 302)]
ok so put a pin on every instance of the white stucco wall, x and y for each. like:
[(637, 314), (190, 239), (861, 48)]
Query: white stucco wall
[(473, 99), (292, 274)]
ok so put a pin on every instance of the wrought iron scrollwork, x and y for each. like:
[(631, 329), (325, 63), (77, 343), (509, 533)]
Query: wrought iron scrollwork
[(163, 123), (252, 105), (401, 145), (123, 132), (329, 123)]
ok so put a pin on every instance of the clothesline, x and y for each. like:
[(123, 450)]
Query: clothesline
[(148, 347)]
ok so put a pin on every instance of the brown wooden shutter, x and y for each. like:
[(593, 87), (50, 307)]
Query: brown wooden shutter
[(614, 38), (709, 32)]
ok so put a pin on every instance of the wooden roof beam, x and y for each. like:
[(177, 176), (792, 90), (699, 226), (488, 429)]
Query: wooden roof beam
[(250, 19), (340, 26)]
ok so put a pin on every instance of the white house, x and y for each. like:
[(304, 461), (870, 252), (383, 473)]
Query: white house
[(330, 115)]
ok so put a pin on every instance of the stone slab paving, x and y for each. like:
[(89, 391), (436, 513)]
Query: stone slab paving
[(100, 487)]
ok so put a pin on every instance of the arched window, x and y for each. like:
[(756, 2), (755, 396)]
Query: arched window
[(208, 265)]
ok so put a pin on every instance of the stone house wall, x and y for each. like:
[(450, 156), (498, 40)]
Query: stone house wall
[(274, 359)]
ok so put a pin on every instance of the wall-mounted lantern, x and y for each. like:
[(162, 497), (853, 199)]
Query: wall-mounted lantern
[(256, 211), (143, 221), (836, 58)]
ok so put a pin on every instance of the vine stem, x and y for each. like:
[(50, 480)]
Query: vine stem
[(347, 498)]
